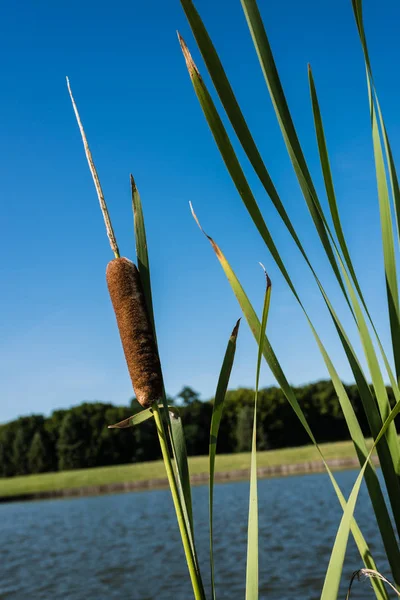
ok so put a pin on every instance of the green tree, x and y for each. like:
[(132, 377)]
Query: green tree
[(188, 395), (7, 467), (52, 428), (196, 419), (244, 429), (25, 428), (71, 450), (20, 454), (39, 458)]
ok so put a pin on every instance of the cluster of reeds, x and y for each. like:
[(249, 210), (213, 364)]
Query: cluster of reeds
[(329, 228), (130, 293)]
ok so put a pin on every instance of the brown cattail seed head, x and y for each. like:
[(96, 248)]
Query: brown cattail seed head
[(135, 330)]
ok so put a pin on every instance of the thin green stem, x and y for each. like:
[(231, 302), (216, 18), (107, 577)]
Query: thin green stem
[(194, 576)]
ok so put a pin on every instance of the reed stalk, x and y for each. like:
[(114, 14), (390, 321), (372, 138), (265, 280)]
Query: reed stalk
[(194, 575)]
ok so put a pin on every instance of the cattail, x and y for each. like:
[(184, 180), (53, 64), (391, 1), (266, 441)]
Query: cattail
[(135, 329)]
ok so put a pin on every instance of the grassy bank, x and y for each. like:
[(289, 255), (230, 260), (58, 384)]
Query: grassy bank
[(154, 470)]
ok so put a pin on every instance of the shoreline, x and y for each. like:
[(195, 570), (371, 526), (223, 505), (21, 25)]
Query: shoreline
[(282, 470)]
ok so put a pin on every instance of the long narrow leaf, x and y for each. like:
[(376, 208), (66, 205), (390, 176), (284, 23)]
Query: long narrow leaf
[(387, 231), (324, 160), (329, 187), (140, 417), (271, 76), (174, 426), (333, 575), (384, 201), (252, 536), (279, 375), (181, 457), (141, 250), (218, 406)]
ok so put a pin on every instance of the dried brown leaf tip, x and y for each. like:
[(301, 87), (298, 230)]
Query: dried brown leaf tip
[(135, 329), (235, 331), (188, 57), (213, 244), (133, 184), (269, 282)]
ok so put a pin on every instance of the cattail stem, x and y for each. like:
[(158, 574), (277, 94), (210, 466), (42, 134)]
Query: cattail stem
[(197, 587)]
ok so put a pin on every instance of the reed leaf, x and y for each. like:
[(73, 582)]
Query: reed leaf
[(324, 159), (383, 194), (174, 425), (141, 249), (329, 186), (180, 455), (252, 536), (333, 574), (271, 76), (218, 406), (389, 258), (140, 417), (178, 446)]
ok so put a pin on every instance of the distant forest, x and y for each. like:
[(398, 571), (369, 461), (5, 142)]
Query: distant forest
[(78, 437)]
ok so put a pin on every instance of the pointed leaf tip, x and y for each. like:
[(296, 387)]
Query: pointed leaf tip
[(133, 183), (269, 282), (190, 64), (122, 424), (235, 330), (213, 244)]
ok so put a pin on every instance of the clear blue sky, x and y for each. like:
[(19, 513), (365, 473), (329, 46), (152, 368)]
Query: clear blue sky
[(58, 339)]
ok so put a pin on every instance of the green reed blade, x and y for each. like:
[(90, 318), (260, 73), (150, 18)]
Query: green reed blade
[(324, 159), (386, 217), (178, 448), (140, 417), (333, 574), (141, 250), (279, 375), (133, 420), (218, 406), (394, 181), (181, 457), (271, 76), (230, 104), (329, 187), (377, 378), (174, 427), (252, 536), (233, 111), (383, 193)]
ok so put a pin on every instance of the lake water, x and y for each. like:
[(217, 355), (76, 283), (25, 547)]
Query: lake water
[(127, 546)]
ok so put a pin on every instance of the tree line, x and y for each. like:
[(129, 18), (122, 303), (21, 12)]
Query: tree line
[(78, 437)]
